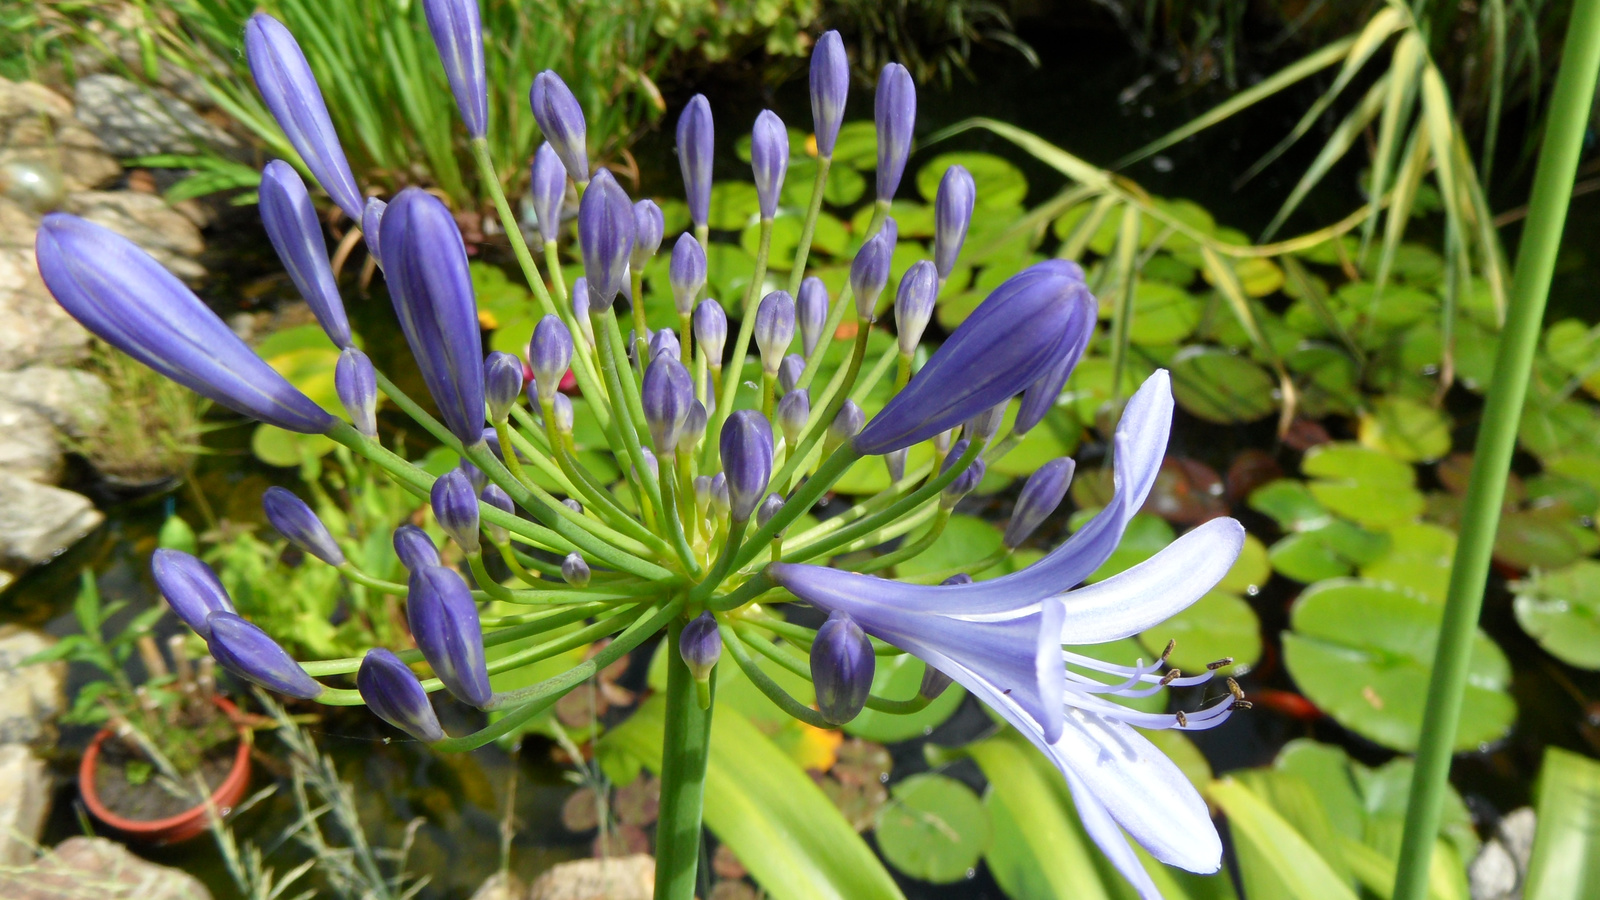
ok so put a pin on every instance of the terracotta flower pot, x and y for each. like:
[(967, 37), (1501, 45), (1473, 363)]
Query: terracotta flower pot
[(185, 825)]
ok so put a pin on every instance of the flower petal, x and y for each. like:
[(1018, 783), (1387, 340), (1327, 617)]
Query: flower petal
[(1109, 838)]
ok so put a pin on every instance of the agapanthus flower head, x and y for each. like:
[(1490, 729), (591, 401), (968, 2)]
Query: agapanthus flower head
[(444, 623), (290, 91), (372, 224), (1003, 640), (769, 160), (1040, 496), (667, 395), (1042, 395), (746, 445), (793, 410), (455, 506), (811, 312), (388, 688), (192, 589), (549, 354), (774, 329), (356, 383), (291, 223), (952, 216), (548, 188), (665, 341), (869, 272), (700, 645), (425, 263), (895, 113), (696, 141), (458, 35), (993, 355), (129, 301), (414, 547), (502, 383), (830, 88), (711, 330), (789, 372), (964, 482), (250, 653), (649, 225), (300, 525), (687, 273), (842, 666), (574, 570), (560, 119), (494, 495), (606, 231), (913, 304)]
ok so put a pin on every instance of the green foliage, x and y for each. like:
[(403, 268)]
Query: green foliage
[(1567, 844)]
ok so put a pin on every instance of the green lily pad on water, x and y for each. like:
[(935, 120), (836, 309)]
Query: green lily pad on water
[(1250, 571), (1363, 651), (1218, 386), (1163, 313), (1363, 485), (1561, 610), (1418, 558), (966, 540), (999, 182), (1218, 625), (935, 828), (1406, 429)]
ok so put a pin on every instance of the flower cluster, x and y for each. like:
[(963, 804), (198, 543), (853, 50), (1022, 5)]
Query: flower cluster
[(701, 533)]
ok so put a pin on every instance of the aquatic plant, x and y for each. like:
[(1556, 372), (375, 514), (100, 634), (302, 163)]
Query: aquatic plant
[(707, 521)]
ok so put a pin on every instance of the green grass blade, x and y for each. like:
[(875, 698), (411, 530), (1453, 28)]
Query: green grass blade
[(1566, 848), (1403, 68), (1082, 233), (1056, 158), (1268, 841), (1126, 274), (1496, 10), (1339, 143)]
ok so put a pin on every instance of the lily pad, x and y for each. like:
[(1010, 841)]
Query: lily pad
[(1307, 559), (1561, 610), (1419, 558), (935, 828), (1406, 429), (1363, 651), (733, 204), (1363, 485), (1218, 625), (1218, 386), (1163, 313), (999, 182), (965, 541)]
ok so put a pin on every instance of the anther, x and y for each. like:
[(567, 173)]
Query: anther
[(1171, 674), (1225, 661), (1242, 704), (1171, 645), (1183, 720), (1235, 690)]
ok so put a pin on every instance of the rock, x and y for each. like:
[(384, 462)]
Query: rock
[(38, 521), (71, 399), (1501, 865), (37, 125), (24, 803), (149, 221), (34, 329), (134, 120), (618, 878), (501, 886), (28, 445), (30, 696), (95, 867)]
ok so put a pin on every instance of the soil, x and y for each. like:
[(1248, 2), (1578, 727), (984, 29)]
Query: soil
[(152, 800)]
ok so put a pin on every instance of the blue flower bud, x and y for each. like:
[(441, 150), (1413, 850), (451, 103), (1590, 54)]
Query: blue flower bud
[(560, 118), (952, 215), (869, 272), (695, 146), (605, 228), (941, 441), (290, 92), (842, 666), (964, 482), (356, 383), (694, 426), (548, 189), (934, 683), (721, 501), (299, 525), (700, 645), (895, 462), (649, 224), (372, 224), (846, 424), (711, 330), (811, 310), (792, 412), (494, 495), (1041, 396), (746, 460), (666, 341), (667, 395), (475, 476), (913, 304), (291, 223), (455, 505), (985, 424), (580, 308), (1039, 498), (562, 407), (687, 274), (651, 464), (573, 505), (768, 508), (549, 355), (789, 372), (830, 88), (502, 383), (895, 113), (458, 34), (415, 548), (774, 329), (394, 695), (702, 492), (444, 623), (769, 160), (248, 652), (575, 570), (192, 589), (958, 578), (425, 263)]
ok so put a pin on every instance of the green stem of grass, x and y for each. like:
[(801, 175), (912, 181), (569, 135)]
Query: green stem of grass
[(685, 748)]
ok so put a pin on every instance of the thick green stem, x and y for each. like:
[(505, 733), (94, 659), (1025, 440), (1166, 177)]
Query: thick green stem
[(1497, 438), (685, 747)]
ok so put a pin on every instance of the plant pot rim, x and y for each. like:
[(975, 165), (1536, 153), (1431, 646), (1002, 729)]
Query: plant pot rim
[(186, 824)]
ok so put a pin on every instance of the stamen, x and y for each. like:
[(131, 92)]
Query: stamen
[(1235, 690), (1171, 645), (1170, 676), (1183, 720), (1243, 704), (1221, 663)]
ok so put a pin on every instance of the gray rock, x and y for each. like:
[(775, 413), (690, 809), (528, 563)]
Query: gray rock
[(501, 886), (28, 445), (164, 232), (618, 878), (72, 399), (24, 803), (135, 120), (1501, 866), (37, 126), (38, 521), (95, 867), (31, 697), (34, 329)]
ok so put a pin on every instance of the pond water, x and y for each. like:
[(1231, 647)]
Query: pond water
[(1072, 101)]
